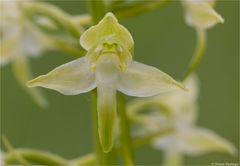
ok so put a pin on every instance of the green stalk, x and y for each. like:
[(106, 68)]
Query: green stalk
[(34, 157), (58, 16), (98, 150), (97, 10), (85, 160), (133, 8), (68, 47), (82, 20), (125, 138), (91, 159), (41, 157), (9, 148), (199, 52)]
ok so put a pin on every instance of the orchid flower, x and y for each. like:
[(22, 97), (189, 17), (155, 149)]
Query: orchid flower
[(19, 39), (107, 66), (200, 13), (186, 138), (18, 36)]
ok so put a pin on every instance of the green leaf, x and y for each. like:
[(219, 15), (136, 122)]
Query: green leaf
[(132, 8)]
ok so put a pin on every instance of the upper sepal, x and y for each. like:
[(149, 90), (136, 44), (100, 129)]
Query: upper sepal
[(108, 29)]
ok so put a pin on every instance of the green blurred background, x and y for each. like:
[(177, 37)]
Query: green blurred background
[(162, 39)]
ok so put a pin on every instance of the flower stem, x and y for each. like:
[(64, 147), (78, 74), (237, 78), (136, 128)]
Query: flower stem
[(199, 52), (88, 159), (82, 20), (98, 151), (17, 157), (91, 159), (56, 15), (96, 9), (132, 8), (34, 157), (125, 138)]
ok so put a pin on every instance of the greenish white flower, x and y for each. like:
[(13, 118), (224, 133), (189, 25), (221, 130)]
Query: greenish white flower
[(18, 40), (186, 138), (18, 37), (201, 14), (107, 66)]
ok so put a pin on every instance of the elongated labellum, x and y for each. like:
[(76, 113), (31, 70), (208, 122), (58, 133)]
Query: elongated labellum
[(107, 77)]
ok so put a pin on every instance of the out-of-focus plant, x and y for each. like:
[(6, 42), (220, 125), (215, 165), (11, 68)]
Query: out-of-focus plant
[(201, 15), (19, 39), (167, 121), (176, 110)]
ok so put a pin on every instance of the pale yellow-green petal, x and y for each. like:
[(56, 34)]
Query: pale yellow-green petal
[(108, 28), (8, 42), (70, 79), (143, 81), (106, 78), (201, 14), (196, 141), (106, 107)]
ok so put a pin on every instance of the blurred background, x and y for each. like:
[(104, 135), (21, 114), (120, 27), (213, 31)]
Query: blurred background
[(162, 39)]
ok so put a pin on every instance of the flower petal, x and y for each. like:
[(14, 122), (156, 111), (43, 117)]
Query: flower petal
[(70, 79), (106, 76), (144, 81), (201, 14), (107, 27), (194, 141), (106, 107), (197, 141)]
